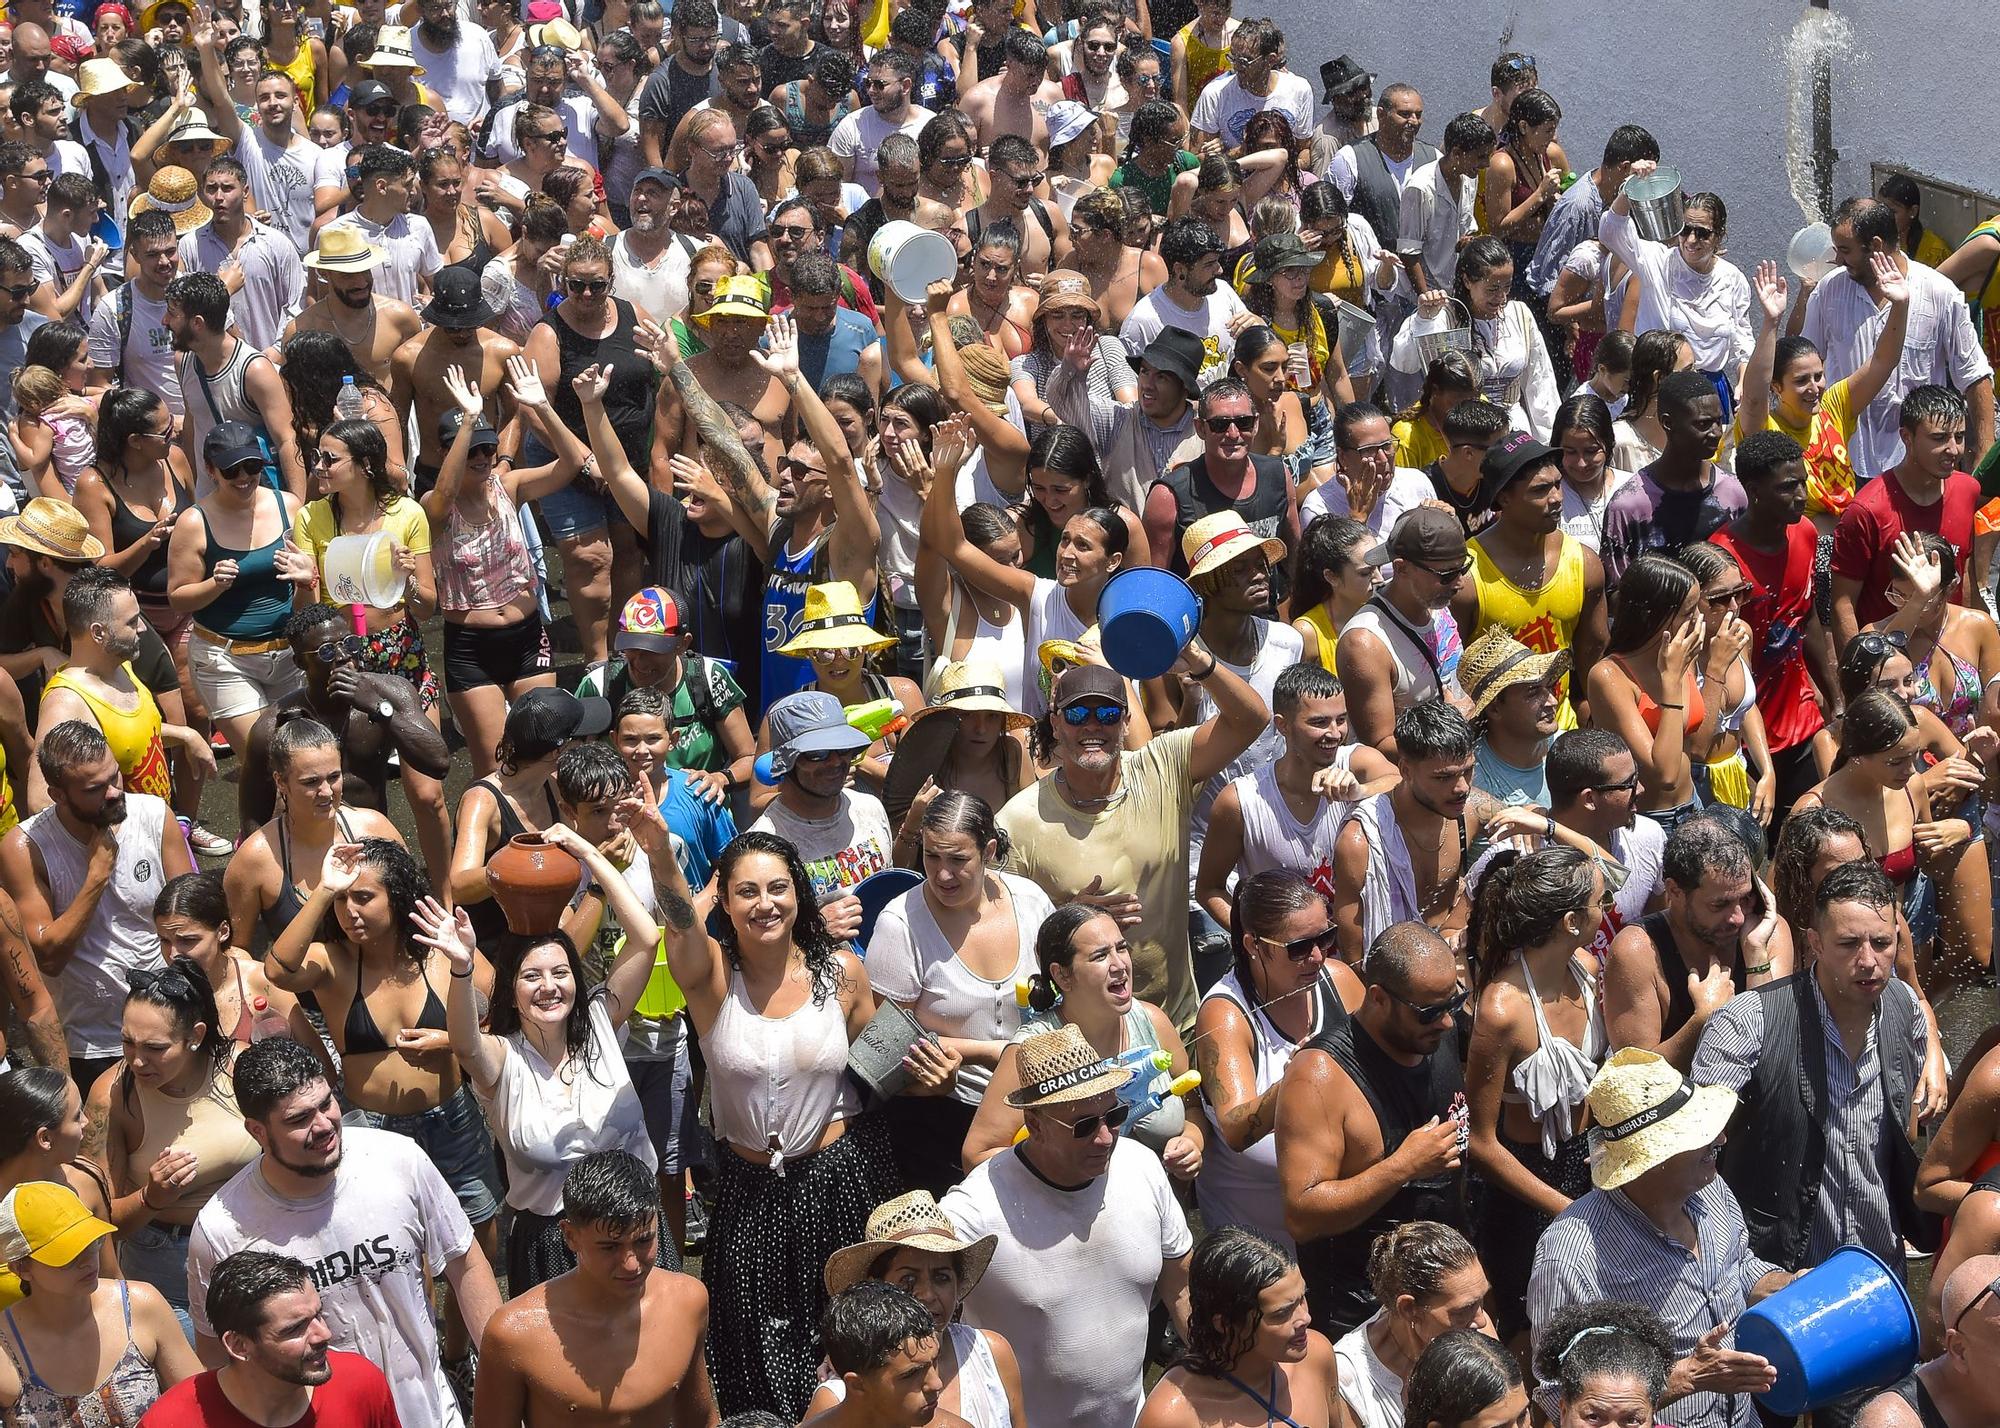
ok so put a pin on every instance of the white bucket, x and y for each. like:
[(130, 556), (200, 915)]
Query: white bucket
[(361, 570), (1810, 255), (909, 259)]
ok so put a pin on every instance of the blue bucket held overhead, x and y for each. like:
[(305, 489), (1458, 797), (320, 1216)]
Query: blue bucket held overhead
[(1842, 1327), (1145, 617)]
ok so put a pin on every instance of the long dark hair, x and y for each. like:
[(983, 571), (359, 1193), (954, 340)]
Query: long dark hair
[(403, 884), (1653, 356), (1646, 600), (504, 1016), (1264, 900), (1522, 898), (1330, 541), (363, 440), (1053, 949), (124, 413), (1066, 452), (1227, 1275), (819, 948), (1804, 837), (199, 897), (182, 990), (315, 364), (1875, 722), (1461, 1374), (31, 1099), (1270, 124)]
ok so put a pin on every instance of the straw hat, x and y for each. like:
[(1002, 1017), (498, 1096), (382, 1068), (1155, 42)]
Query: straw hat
[(173, 191), (1059, 1068), (1081, 650), (393, 51), (1213, 541), (102, 76), (343, 250), (192, 128), (833, 621), (558, 32), (911, 1221), (738, 297), (1647, 1113), (1064, 287), (988, 373), (971, 686), (52, 528), (1496, 661)]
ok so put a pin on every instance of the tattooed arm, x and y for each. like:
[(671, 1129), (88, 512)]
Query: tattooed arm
[(726, 455), (22, 982)]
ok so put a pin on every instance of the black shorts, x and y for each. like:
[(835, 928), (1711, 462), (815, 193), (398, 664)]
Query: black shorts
[(476, 655)]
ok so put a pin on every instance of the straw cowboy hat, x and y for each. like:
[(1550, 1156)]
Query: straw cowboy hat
[(393, 51), (192, 128), (738, 297), (1065, 287), (173, 191), (1059, 1068), (1647, 1112), (343, 250), (1213, 541), (971, 686), (102, 76), (987, 372), (958, 687), (833, 621), (911, 1221), (1496, 661), (558, 32), (52, 528)]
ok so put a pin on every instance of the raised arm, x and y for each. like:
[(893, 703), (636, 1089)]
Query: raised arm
[(449, 931), (216, 103), (857, 536), (1005, 444), (1866, 384), (942, 527), (437, 502), (627, 977), (1770, 289), (723, 449)]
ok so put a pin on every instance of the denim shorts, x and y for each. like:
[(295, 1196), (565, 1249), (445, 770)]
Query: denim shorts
[(453, 1134), (158, 1254), (575, 510), (663, 1097)]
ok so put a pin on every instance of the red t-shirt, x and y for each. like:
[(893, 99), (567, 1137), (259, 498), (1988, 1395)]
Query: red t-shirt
[(1780, 603), (357, 1396), (1880, 512)]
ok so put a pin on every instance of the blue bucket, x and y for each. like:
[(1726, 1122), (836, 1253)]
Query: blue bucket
[(1836, 1330), (1145, 617)]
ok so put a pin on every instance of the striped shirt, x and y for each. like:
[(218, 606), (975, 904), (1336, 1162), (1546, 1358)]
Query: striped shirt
[(1603, 1247), (1854, 1206)]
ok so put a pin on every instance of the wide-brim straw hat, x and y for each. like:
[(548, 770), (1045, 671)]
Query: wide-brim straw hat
[(834, 621), (393, 51), (558, 32), (911, 1221), (1496, 662), (1059, 1068), (103, 76), (52, 528), (343, 250), (193, 128), (1647, 1112), (172, 191), (971, 686), (1213, 541)]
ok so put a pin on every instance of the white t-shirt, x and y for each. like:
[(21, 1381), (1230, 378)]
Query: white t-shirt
[(458, 75), (859, 137), (1641, 849), (1408, 489), (149, 347), (274, 280), (579, 118), (58, 264), (282, 179), (658, 290), (520, 306), (1073, 1278), (1225, 108), (409, 248), (115, 152), (367, 1237), (910, 961), (839, 851), (1210, 322)]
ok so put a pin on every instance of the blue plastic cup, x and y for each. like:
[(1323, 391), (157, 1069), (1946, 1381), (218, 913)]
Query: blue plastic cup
[(1145, 618), (1840, 1328)]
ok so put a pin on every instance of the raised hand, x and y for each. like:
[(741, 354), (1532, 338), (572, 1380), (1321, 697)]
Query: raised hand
[(782, 358), (446, 930), (1680, 650), (1771, 288), (1921, 568), (591, 383), (464, 392), (526, 383), (694, 480), (1080, 349), (1889, 279), (294, 565), (952, 441), (340, 867)]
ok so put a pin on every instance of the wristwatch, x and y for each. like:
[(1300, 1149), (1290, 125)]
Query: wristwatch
[(383, 711)]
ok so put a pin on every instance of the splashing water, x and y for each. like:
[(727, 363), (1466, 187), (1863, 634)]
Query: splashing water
[(1819, 38)]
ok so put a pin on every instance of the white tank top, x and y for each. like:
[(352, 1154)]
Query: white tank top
[(1272, 838), (1279, 647), (1049, 618), (1006, 648), (777, 1083), (1414, 680)]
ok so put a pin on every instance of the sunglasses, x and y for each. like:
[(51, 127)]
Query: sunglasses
[(39, 176), (1301, 949), (1101, 47), (552, 136), (1379, 448), (1444, 575), (1734, 595), (799, 231), (955, 163), (1221, 424), (352, 646), (1877, 645), (1698, 233), (1624, 785), (1992, 1287), (1084, 1127), (588, 285), (1519, 63), (1025, 180), (1435, 1012), (380, 111), (1078, 714), (20, 293), (799, 468), (316, 460), (242, 469)]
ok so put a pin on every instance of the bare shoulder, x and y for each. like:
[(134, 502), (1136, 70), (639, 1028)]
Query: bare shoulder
[(1167, 1406)]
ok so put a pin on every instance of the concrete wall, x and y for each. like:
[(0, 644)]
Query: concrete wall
[(1708, 78)]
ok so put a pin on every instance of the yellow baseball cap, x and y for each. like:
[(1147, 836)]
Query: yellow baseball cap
[(46, 1222)]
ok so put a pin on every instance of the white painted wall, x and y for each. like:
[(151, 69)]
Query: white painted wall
[(1708, 79)]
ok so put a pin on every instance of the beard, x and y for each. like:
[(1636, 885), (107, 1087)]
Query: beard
[(109, 814), (123, 649), (310, 1170), (309, 1372), (442, 33), (356, 300), (644, 223)]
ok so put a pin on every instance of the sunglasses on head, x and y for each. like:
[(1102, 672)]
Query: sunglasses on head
[(1221, 424), (1434, 1012), (352, 646), (1299, 949), (1084, 1127), (1081, 713), (1878, 645), (1519, 63)]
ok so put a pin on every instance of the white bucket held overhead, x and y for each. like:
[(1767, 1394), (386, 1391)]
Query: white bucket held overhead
[(361, 570), (909, 259), (1810, 255)]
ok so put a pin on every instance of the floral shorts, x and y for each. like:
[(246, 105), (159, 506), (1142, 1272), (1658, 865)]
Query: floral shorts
[(399, 650)]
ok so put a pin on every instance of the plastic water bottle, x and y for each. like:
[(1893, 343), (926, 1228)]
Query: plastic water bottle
[(265, 1022), (348, 406)]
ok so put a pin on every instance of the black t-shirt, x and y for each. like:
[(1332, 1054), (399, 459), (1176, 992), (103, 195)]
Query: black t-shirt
[(1475, 512), (671, 91), (720, 585), (782, 68)]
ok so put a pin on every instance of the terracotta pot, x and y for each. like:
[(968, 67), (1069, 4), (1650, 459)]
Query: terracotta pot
[(532, 880)]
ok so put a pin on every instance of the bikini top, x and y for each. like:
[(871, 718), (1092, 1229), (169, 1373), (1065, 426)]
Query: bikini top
[(1553, 1079), (1649, 711), (359, 1031), (1965, 690), (1730, 720), (1901, 865)]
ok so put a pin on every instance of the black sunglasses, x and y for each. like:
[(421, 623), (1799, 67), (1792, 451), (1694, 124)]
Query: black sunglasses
[(1697, 232), (1444, 575), (1084, 1127), (1221, 424), (958, 162), (22, 292), (1301, 948), (588, 285), (385, 110), (1624, 785), (1080, 713), (1992, 1287), (1436, 1011), (1880, 644), (353, 646)]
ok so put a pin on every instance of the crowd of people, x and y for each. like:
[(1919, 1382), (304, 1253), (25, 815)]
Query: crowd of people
[(1507, 943)]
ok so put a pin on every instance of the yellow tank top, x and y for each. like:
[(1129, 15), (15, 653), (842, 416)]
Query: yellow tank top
[(1544, 620), (1341, 277), (1204, 62), (10, 813), (134, 737), (302, 70), (207, 1123), (1418, 443), (1322, 628)]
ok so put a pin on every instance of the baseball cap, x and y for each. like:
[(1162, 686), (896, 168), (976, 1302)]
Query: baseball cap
[(1088, 681), (369, 91), (812, 722), (651, 620), (46, 1222), (664, 177), (230, 443), (483, 433), (1426, 535), (542, 720), (1511, 458)]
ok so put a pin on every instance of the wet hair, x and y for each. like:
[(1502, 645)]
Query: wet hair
[(1645, 601), (1801, 840), (1627, 143), (1053, 948), (888, 61), (294, 736), (1270, 129), (268, 1071), (203, 296), (1932, 404), (1607, 1339), (403, 883), (1875, 722), (1480, 259), (611, 1189), (986, 523), (1902, 189), (590, 770), (364, 443), (54, 345), (940, 130), (1449, 371), (868, 1323), (182, 990), (1390, 961), (1330, 545), (1760, 454), (1461, 1375), (1222, 389), (643, 702), (1186, 241), (1320, 203), (303, 622), (1861, 880), (923, 403), (199, 897), (956, 811), (1576, 761), (1003, 234), (1465, 133), (1614, 353), (375, 161), (1706, 561), (1263, 901), (544, 221), (1653, 357), (1700, 847), (1585, 411), (1151, 123), (1711, 203), (1432, 729), (1066, 452), (1520, 901), (1217, 171), (1512, 67), (32, 1098), (898, 151), (89, 596), (1256, 341), (1530, 108), (1305, 680), (315, 367), (565, 185), (819, 948), (70, 745), (1415, 1259), (241, 1285), (1474, 419), (1861, 660), (1227, 1276), (503, 1017), (1870, 218), (815, 275)]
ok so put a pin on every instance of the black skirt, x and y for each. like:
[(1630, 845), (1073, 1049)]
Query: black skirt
[(927, 1134), (1511, 1228), (536, 1252), (768, 1239)]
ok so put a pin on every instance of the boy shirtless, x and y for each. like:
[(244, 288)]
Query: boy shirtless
[(884, 1346)]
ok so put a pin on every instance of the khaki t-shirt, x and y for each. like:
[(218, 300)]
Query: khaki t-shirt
[(1139, 845)]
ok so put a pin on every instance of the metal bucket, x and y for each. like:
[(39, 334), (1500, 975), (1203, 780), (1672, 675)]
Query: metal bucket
[(1355, 325), (1656, 204), (1449, 329)]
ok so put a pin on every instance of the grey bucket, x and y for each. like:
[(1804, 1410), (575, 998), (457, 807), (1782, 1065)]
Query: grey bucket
[(1656, 203), (1355, 325)]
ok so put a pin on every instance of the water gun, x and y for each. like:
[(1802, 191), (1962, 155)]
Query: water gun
[(1153, 1117), (875, 719)]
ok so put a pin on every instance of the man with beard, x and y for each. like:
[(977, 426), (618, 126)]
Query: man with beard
[(129, 343), (1227, 476), (1014, 167), (646, 263), (732, 368), (280, 1366), (371, 119), (1593, 789), (892, 76), (459, 63), (1718, 935), (258, 265), (591, 118), (1192, 299), (739, 77), (1403, 645), (280, 162), (1371, 1129), (796, 229), (1015, 100), (842, 834), (615, 1318), (383, 181), (683, 80), (373, 327), (373, 715), (237, 382), (75, 856), (458, 336), (372, 1230)]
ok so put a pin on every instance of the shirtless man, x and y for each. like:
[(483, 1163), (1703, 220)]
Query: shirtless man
[(458, 336), (1003, 308), (372, 326), (1015, 170), (1015, 100), (614, 1342), (896, 1388), (727, 372)]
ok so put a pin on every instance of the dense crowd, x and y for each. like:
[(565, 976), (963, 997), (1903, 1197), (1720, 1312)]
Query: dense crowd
[(1495, 945)]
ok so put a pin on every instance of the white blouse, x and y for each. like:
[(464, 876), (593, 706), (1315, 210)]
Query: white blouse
[(1711, 310)]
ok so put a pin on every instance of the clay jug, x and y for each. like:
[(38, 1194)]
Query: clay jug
[(532, 880)]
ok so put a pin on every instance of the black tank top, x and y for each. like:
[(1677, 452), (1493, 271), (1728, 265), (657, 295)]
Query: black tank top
[(489, 923), (1403, 1099), (149, 581), (1928, 1413), (1674, 967), (629, 402), (1196, 496), (482, 252)]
